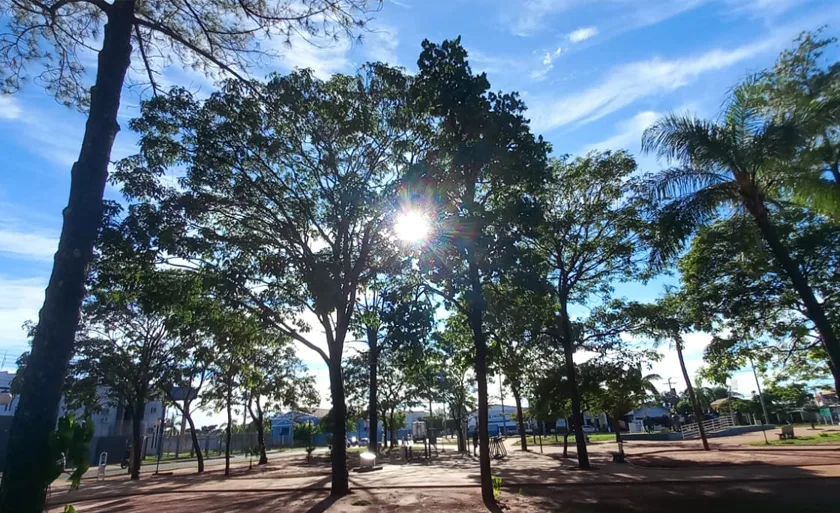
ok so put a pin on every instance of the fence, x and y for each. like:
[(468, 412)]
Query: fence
[(182, 446), (710, 426)]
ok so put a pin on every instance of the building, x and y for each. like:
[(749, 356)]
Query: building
[(110, 420), (282, 426)]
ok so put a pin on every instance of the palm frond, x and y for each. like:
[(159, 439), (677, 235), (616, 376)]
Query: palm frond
[(817, 193), (689, 140), (677, 182), (680, 218)]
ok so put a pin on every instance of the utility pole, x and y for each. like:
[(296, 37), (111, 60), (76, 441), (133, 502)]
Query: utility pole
[(760, 398), (670, 387)]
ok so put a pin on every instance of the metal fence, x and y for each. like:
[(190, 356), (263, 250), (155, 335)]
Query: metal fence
[(710, 426), (213, 444)]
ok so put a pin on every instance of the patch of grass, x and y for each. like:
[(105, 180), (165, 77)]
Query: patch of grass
[(821, 438), (362, 502), (549, 439)]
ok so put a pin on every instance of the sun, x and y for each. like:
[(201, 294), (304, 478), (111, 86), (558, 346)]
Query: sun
[(411, 226)]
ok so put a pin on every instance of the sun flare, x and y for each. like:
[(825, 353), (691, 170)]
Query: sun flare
[(411, 227)]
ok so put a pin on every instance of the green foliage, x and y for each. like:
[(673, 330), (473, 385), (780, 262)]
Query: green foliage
[(46, 41), (497, 487), (734, 289), (69, 442)]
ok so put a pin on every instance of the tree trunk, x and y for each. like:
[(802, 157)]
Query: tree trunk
[(476, 323), (523, 439), (577, 414), (23, 489), (462, 442), (393, 425), (373, 420), (136, 439), (340, 480), (618, 434), (834, 373), (228, 429), (196, 445), (813, 309), (691, 396), (261, 434), (566, 440)]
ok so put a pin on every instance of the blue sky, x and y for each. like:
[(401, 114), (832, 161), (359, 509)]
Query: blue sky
[(593, 73)]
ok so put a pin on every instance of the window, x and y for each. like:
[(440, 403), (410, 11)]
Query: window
[(153, 409)]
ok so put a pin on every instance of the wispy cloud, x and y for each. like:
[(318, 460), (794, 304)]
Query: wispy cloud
[(582, 34), (381, 44), (629, 132), (532, 17), (628, 83), (9, 107), (324, 61), (20, 301), (23, 239)]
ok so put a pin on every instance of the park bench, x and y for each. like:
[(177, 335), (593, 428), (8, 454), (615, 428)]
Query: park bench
[(787, 433)]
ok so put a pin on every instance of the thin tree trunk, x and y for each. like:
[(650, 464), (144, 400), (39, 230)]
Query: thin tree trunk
[(23, 489), (196, 445), (691, 396), (340, 479), (577, 414), (228, 429), (393, 425), (136, 439), (566, 440), (373, 420), (261, 434), (618, 435), (813, 309), (479, 339), (523, 439)]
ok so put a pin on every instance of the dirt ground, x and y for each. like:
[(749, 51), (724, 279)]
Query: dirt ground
[(801, 496), (658, 475)]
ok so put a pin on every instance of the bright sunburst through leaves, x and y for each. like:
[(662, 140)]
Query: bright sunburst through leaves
[(411, 226)]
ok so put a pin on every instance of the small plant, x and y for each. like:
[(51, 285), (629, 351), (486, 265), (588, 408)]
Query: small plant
[(362, 502), (497, 487)]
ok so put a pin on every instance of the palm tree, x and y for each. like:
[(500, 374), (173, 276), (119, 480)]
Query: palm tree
[(622, 390), (726, 165), (666, 321)]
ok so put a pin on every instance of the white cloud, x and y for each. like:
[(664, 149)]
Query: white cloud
[(324, 61), (628, 83), (530, 17), (28, 245), (9, 107), (20, 302), (381, 44), (629, 132), (761, 8), (582, 34)]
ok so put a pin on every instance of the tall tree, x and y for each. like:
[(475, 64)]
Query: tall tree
[(727, 165), (290, 188), (593, 235), (49, 41), (802, 85), (668, 320), (515, 323), (623, 387), (394, 314), (274, 378), (131, 324), (476, 187)]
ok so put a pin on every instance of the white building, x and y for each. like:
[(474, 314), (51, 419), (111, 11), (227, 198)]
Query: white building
[(108, 421)]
